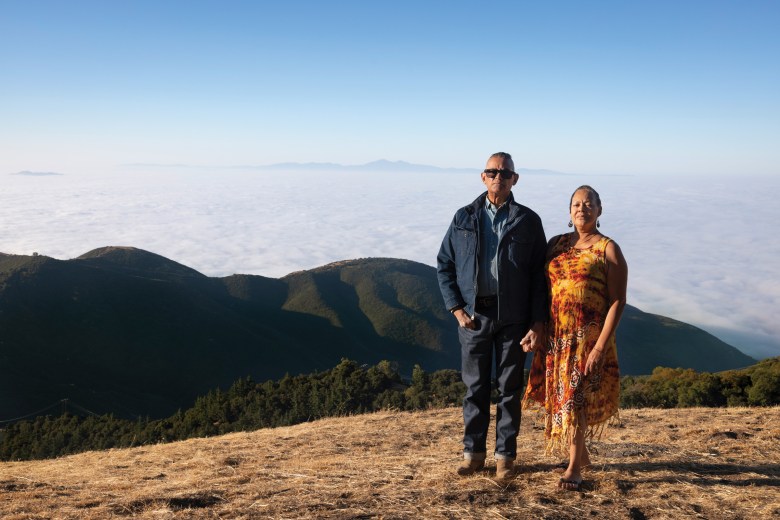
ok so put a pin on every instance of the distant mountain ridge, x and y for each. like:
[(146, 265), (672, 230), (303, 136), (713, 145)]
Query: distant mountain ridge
[(380, 165), (127, 331), (383, 165)]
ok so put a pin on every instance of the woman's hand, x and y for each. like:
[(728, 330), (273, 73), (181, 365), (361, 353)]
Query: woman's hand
[(595, 358)]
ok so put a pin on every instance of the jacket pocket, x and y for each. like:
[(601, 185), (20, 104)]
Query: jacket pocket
[(520, 247), (465, 241)]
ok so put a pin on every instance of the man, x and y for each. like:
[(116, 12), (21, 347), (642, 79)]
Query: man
[(491, 275)]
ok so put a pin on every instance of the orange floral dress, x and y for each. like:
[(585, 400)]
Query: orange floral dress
[(577, 281)]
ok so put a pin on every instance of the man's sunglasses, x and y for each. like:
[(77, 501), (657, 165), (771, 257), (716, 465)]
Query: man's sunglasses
[(505, 174)]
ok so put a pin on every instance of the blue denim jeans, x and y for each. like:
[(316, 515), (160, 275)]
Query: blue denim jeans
[(499, 343)]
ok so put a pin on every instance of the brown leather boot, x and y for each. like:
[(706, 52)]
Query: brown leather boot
[(505, 469), (470, 466)]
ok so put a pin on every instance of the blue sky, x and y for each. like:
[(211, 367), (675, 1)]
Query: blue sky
[(681, 87)]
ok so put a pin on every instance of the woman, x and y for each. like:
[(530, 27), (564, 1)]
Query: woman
[(575, 375)]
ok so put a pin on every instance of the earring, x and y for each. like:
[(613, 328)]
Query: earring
[(598, 224), (570, 224)]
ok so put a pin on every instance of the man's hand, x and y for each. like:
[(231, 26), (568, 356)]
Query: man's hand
[(464, 320), (533, 338)]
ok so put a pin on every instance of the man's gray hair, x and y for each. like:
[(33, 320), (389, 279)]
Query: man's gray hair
[(501, 155)]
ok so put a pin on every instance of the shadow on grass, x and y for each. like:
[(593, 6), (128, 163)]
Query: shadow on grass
[(686, 472)]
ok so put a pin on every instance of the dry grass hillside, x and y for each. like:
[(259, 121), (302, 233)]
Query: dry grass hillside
[(697, 463)]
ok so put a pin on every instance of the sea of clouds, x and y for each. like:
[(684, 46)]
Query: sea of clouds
[(701, 250)]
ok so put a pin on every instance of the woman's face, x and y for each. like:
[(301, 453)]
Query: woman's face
[(584, 209)]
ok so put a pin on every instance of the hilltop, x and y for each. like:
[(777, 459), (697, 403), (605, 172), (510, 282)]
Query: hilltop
[(697, 463), (126, 331)]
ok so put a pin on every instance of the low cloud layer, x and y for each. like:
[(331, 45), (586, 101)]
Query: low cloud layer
[(700, 250)]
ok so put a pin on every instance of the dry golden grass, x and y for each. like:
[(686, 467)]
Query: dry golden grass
[(698, 463)]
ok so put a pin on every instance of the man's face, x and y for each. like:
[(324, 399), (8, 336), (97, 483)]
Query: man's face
[(498, 187)]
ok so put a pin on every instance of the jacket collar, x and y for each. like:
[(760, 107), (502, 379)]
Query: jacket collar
[(479, 203)]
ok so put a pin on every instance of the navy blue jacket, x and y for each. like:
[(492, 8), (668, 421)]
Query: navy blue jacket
[(522, 284)]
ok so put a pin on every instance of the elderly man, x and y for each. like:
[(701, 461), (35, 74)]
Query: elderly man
[(491, 275)]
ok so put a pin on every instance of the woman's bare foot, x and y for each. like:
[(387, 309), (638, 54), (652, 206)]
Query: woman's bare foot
[(562, 466)]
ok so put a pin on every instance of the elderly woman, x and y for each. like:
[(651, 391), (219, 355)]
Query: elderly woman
[(574, 376)]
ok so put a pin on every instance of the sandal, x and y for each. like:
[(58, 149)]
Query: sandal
[(570, 485)]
